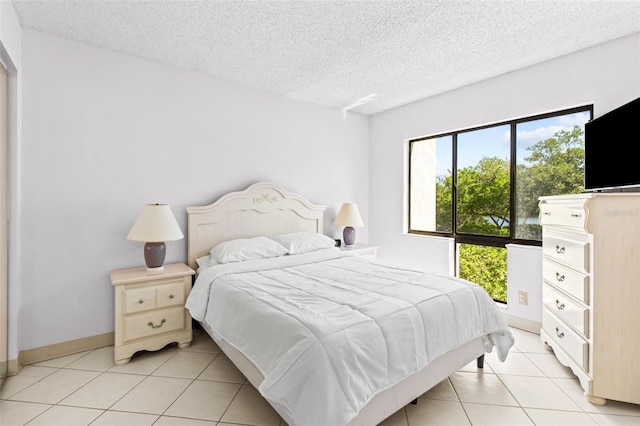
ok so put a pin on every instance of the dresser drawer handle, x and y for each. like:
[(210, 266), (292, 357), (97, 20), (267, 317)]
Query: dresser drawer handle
[(575, 215), (546, 213), (141, 301), (559, 334), (560, 306), (150, 324), (560, 250), (560, 277), (171, 296)]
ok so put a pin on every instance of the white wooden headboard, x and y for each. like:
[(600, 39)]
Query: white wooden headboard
[(262, 209)]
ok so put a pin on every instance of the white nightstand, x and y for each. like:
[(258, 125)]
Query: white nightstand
[(362, 250), (149, 311)]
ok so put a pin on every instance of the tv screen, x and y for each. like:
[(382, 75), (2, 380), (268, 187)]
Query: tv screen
[(610, 161)]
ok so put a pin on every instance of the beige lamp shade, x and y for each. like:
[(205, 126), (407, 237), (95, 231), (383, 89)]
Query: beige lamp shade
[(349, 215), (155, 224)]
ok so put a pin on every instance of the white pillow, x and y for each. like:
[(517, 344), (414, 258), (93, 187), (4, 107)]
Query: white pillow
[(303, 242), (245, 249), (204, 261)]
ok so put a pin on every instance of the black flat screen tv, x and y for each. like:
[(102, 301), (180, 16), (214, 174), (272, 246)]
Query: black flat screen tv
[(610, 160)]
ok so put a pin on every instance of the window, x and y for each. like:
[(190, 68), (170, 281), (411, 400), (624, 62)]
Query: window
[(481, 186)]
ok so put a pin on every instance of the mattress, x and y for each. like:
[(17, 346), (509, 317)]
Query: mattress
[(328, 332)]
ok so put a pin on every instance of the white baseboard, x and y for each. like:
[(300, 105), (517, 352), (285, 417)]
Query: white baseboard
[(522, 324)]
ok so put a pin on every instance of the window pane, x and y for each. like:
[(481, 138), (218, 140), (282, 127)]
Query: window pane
[(549, 161), (483, 181), (485, 266), (430, 185)]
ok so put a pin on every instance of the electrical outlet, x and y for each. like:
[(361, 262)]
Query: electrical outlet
[(523, 298)]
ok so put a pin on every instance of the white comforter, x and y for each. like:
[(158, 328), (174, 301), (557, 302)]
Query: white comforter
[(328, 332)]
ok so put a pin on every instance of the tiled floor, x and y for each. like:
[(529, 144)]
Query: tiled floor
[(199, 386)]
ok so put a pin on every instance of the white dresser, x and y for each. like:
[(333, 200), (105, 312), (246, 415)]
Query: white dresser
[(591, 290)]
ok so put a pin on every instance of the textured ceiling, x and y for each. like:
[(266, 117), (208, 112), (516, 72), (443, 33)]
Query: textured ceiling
[(341, 53)]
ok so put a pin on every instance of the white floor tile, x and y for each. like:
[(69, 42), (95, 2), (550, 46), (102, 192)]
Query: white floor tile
[(55, 387), (27, 377), (104, 391), (96, 360), (555, 418), (181, 421), (481, 388), (204, 400), (222, 369), (67, 416), (515, 364), (187, 365), (14, 413), (160, 388), (153, 395), (529, 343), (441, 413), (251, 408), (494, 415), (549, 365), (117, 418), (443, 391), (615, 420), (538, 392)]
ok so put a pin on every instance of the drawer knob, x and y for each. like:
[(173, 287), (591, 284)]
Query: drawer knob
[(171, 296), (575, 215), (560, 249), (559, 305), (546, 213), (560, 277), (559, 333), (150, 324), (141, 301)]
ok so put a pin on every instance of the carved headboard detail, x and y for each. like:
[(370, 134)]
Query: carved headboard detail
[(262, 209)]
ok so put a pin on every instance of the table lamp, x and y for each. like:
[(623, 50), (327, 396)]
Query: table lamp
[(155, 225), (349, 217)]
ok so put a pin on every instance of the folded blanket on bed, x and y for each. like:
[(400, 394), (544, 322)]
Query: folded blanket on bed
[(329, 332)]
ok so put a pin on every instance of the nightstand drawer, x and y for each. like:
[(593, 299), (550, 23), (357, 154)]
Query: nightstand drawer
[(153, 323), (170, 294), (139, 299)]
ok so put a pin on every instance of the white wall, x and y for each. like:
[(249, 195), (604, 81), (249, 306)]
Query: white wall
[(105, 133), (606, 76)]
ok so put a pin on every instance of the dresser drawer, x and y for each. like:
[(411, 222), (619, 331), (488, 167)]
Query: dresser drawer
[(566, 251), (153, 323), (568, 280), (568, 310), (570, 215), (566, 339)]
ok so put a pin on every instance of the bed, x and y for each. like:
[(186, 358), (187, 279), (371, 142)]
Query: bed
[(326, 337)]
